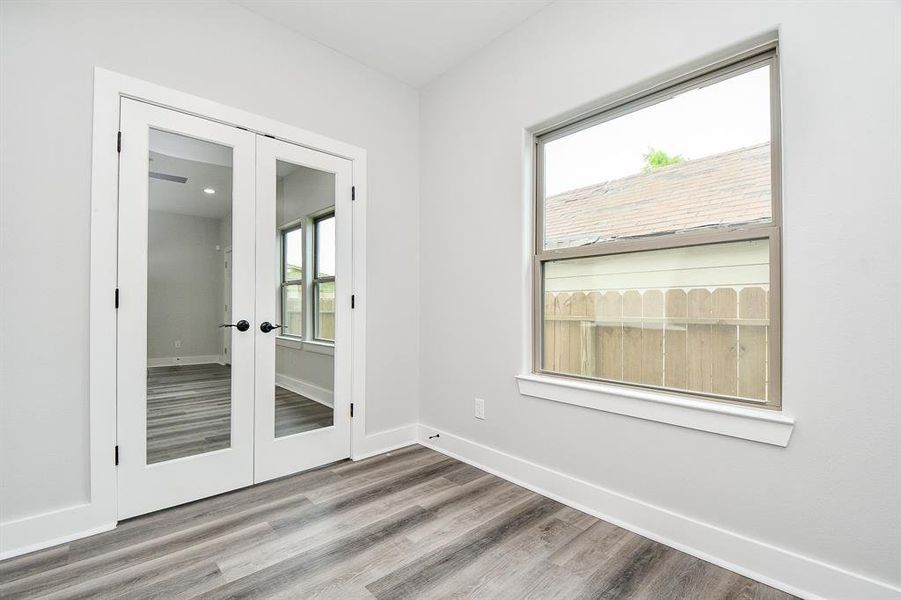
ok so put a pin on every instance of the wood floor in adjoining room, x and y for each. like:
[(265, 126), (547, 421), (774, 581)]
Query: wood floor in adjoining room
[(408, 524), (189, 411)]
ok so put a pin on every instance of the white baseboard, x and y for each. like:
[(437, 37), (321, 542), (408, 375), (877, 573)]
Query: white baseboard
[(306, 389), (48, 529), (171, 361), (385, 441), (777, 567)]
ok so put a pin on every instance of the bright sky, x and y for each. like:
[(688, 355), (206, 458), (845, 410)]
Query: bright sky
[(326, 239), (724, 116)]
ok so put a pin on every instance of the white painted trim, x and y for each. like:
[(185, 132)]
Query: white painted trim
[(289, 342), (386, 441), (306, 389), (171, 361), (756, 424), (37, 532), (305, 345), (319, 348), (784, 569)]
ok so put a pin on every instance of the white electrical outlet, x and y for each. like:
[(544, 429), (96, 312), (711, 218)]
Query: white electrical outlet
[(178, 343), (480, 408)]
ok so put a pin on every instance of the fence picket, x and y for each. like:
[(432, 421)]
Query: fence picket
[(561, 348), (675, 340), (550, 331), (700, 361), (610, 354), (632, 336), (752, 355), (578, 308), (652, 338), (724, 342)]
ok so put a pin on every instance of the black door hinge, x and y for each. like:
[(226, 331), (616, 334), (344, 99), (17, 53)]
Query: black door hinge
[(117, 297), (117, 456), (353, 301), (119, 142), (353, 192), (351, 410)]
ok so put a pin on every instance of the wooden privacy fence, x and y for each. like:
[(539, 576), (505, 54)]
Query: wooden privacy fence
[(699, 339)]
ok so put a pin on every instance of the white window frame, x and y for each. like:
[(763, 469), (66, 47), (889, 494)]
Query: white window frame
[(766, 54)]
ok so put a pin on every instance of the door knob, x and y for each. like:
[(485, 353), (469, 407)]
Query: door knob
[(266, 326), (241, 325)]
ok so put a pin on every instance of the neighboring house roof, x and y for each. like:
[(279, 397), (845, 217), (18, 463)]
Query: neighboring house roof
[(732, 187)]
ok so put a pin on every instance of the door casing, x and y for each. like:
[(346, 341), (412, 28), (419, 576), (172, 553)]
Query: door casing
[(99, 513)]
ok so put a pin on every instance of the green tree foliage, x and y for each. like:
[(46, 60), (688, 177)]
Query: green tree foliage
[(654, 159)]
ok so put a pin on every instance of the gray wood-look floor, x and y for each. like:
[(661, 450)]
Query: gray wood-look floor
[(408, 524), (189, 411)]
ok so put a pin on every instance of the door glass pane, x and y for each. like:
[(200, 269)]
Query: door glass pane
[(188, 297), (304, 366), (692, 319)]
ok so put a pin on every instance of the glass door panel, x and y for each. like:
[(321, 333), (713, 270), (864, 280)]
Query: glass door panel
[(189, 232), (304, 374), (302, 397)]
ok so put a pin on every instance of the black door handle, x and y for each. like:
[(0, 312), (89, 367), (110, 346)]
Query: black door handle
[(241, 325), (266, 326)]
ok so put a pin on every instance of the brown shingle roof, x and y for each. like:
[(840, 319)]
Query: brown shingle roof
[(732, 187)]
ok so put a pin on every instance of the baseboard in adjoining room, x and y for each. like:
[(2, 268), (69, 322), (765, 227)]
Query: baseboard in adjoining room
[(306, 389), (780, 568), (172, 361)]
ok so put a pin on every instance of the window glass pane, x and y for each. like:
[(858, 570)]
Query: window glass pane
[(693, 319), (698, 160), (293, 267), (292, 310), (325, 310), (325, 247)]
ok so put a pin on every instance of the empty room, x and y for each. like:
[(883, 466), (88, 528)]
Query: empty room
[(414, 299)]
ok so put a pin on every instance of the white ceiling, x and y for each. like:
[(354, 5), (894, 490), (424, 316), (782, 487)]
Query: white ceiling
[(414, 41), (189, 198)]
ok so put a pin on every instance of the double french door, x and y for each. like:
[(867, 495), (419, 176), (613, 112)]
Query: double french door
[(234, 274)]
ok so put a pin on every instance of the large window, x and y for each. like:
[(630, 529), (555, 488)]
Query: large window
[(657, 260), (292, 281)]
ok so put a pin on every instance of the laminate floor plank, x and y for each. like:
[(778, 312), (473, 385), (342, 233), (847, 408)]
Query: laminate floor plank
[(189, 411), (406, 524)]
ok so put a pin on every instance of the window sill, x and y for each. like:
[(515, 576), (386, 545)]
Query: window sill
[(307, 346), (756, 424)]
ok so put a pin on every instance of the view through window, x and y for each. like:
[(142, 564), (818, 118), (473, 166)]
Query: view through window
[(657, 241)]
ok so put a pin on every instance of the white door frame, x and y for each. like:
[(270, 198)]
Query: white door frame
[(109, 88)]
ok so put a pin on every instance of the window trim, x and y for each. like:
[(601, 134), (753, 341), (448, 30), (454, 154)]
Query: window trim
[(284, 283), (316, 279), (766, 54)]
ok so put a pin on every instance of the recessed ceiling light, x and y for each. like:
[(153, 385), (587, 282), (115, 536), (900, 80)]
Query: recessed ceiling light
[(209, 191)]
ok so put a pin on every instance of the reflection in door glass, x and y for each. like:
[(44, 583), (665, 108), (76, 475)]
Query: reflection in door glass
[(304, 358), (188, 297)]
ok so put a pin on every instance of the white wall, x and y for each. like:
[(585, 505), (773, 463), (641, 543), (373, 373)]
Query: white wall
[(184, 286), (833, 494), (214, 50)]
